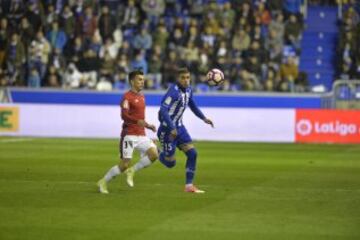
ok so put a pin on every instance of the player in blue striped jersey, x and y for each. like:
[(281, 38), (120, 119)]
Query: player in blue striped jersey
[(172, 133)]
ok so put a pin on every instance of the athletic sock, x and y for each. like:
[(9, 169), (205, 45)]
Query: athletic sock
[(113, 172), (143, 163), (190, 165), (168, 164)]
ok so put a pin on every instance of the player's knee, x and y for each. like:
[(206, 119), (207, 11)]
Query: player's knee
[(153, 154), (153, 157), (169, 162), (124, 164)]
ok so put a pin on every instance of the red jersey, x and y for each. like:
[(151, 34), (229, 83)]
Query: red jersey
[(132, 110)]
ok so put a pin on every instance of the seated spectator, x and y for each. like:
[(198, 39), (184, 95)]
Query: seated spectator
[(263, 14), (4, 37), (104, 84), (87, 24), (273, 41), (72, 77), (142, 40), (160, 36), (35, 15), (271, 80), (67, 21), (57, 59), (154, 76), (96, 43), (153, 9), (53, 81), (34, 80), (39, 53), (122, 64), (51, 16), (106, 23), (89, 65), (120, 81), (241, 41), (139, 62), (15, 58), (208, 37), (253, 67), (107, 65), (26, 31), (301, 82), (74, 49), (191, 56), (228, 15), (56, 37), (289, 73), (109, 47), (196, 9), (16, 10), (293, 32), (169, 68), (277, 25), (52, 77), (248, 81), (193, 36), (275, 6), (131, 15)]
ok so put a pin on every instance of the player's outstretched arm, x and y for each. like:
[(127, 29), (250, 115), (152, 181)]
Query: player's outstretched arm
[(194, 108)]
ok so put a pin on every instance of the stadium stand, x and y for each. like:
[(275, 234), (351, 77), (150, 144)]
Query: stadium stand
[(92, 44), (319, 44)]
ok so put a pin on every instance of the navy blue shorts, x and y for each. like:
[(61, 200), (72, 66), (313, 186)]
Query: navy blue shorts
[(169, 145)]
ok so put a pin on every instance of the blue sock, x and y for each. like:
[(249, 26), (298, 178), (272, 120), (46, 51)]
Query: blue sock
[(168, 164), (190, 165)]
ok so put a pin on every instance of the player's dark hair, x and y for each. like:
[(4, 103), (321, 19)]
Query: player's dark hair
[(183, 70), (134, 73)]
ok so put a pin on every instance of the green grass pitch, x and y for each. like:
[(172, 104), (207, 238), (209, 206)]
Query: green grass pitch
[(253, 191)]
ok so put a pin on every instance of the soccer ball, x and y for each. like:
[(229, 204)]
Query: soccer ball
[(215, 77)]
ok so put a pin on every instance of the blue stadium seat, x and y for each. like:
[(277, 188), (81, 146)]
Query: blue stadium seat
[(202, 87), (235, 87)]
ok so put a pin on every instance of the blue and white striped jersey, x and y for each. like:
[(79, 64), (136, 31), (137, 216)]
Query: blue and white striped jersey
[(174, 104)]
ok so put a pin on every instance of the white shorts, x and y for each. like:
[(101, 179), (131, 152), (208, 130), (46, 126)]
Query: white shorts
[(131, 142)]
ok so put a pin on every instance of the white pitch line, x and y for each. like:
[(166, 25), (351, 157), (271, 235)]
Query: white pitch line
[(15, 140)]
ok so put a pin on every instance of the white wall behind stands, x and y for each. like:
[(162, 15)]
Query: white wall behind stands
[(92, 121)]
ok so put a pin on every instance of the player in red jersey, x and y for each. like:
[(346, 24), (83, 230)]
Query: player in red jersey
[(133, 134)]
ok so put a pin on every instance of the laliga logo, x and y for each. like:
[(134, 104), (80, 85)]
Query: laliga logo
[(305, 126)]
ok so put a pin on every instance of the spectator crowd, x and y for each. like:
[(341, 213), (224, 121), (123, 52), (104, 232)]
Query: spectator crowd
[(93, 44), (348, 51)]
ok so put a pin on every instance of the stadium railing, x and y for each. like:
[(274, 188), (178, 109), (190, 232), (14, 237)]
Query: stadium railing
[(345, 95), (4, 95)]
